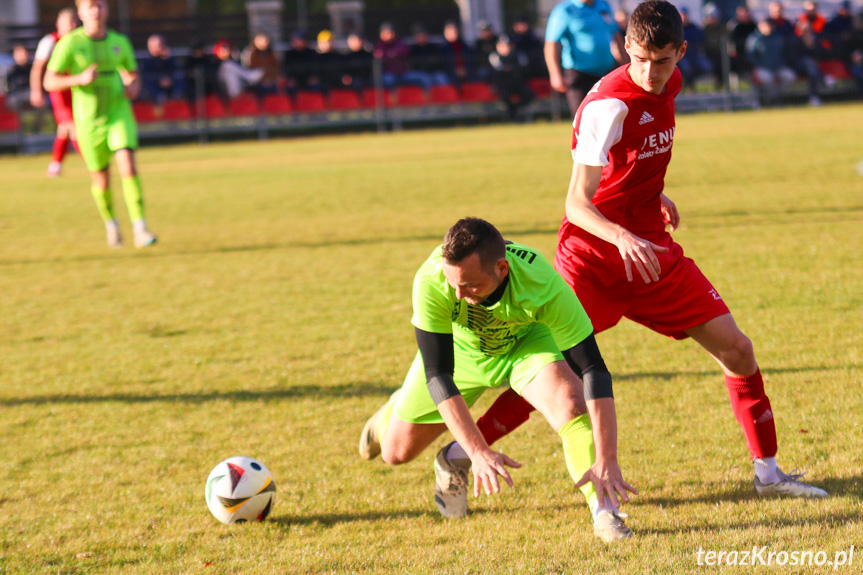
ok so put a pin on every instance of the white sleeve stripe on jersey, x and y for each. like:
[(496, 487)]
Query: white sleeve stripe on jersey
[(44, 48), (600, 128)]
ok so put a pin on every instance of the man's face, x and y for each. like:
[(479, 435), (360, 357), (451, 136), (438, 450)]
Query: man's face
[(93, 13), (775, 10), (651, 68), (155, 46), (450, 33), (355, 43), (66, 22), (20, 55), (471, 281)]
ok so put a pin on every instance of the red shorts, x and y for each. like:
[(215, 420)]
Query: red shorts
[(682, 298), (61, 103)]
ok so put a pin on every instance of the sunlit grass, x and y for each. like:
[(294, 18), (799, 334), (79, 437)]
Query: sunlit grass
[(273, 318)]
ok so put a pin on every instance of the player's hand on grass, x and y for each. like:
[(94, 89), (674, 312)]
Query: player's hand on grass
[(669, 212), (487, 466), (608, 481), (88, 76), (642, 255)]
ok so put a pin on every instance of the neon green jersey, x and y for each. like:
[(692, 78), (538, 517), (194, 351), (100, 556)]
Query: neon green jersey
[(535, 294), (75, 52)]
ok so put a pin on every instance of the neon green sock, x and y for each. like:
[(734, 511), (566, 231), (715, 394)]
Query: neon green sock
[(104, 203), (578, 450), (134, 197)]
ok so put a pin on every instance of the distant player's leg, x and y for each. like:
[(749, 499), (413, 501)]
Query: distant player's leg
[(61, 104), (733, 351), (123, 140), (94, 149)]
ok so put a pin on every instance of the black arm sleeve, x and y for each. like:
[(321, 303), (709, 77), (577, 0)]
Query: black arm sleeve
[(587, 363), (439, 361)]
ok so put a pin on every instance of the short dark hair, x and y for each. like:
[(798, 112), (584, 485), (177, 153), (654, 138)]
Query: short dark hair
[(473, 235), (655, 24)]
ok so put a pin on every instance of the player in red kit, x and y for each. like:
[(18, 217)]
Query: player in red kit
[(61, 101), (613, 247)]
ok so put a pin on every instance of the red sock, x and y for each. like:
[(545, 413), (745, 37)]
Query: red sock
[(752, 409), (507, 412), (60, 145), (75, 146)]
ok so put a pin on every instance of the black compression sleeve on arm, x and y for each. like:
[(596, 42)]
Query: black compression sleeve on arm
[(587, 363), (439, 361)]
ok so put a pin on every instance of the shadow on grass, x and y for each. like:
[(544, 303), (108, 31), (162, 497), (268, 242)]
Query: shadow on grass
[(744, 493), (158, 252), (667, 375), (330, 519), (825, 519), (343, 391)]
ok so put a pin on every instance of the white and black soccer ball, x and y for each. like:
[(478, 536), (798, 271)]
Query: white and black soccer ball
[(240, 489)]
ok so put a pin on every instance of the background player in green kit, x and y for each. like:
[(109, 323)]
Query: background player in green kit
[(99, 66), (488, 313)]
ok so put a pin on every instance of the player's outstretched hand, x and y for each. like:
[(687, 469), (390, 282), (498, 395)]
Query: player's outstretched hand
[(89, 75), (486, 468), (608, 482), (641, 254), (669, 212)]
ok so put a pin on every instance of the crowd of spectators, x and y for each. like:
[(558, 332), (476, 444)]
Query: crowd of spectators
[(772, 52), (777, 51), (315, 64)]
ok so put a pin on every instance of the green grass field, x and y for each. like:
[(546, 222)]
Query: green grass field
[(273, 318)]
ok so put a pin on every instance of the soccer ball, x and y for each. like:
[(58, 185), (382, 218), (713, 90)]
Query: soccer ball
[(240, 489)]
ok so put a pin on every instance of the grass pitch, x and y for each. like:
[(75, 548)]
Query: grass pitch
[(273, 318)]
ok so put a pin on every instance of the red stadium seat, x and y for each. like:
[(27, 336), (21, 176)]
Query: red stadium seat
[(369, 98), (308, 101), (344, 100), (9, 121), (834, 68), (410, 96), (214, 107), (244, 105), (275, 104), (445, 94), (176, 111), (477, 92), (540, 86), (144, 112)]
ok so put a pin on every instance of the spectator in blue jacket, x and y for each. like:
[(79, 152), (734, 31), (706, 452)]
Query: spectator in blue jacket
[(161, 76), (765, 50), (695, 63)]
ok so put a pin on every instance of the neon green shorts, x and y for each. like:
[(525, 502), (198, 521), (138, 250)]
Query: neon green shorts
[(476, 372), (100, 138)]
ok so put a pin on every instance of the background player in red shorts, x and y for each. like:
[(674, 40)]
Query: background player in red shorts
[(615, 252), (61, 102)]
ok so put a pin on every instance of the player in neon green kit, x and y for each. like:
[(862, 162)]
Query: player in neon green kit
[(488, 313), (99, 66)]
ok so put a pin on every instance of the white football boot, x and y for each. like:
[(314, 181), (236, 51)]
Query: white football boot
[(788, 486), (609, 526), (450, 490), (112, 231)]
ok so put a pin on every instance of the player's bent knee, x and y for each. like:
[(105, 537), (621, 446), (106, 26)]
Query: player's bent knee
[(394, 456)]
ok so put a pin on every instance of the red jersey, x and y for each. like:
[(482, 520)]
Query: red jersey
[(630, 132)]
